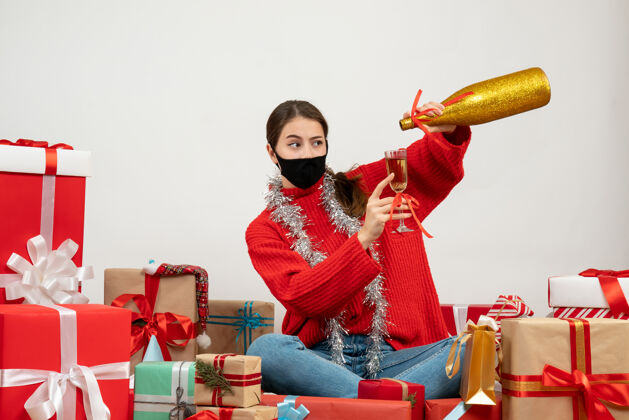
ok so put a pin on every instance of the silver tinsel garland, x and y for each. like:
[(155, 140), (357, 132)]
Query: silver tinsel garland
[(291, 216)]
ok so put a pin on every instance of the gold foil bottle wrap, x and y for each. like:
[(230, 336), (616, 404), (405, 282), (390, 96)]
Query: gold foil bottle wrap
[(493, 99)]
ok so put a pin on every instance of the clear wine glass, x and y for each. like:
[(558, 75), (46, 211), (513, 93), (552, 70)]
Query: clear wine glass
[(396, 164)]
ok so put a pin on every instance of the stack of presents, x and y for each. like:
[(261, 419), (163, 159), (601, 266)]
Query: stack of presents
[(160, 349)]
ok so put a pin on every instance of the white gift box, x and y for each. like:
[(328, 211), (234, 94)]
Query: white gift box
[(579, 292)]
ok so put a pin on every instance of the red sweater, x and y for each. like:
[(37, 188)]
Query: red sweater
[(312, 295)]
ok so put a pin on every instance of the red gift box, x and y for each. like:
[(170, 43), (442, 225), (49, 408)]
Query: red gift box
[(43, 192), (439, 409), (91, 342), (322, 408), (394, 389), (456, 316)]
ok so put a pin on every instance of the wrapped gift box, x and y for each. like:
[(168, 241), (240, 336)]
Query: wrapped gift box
[(456, 316), (234, 324), (257, 412), (454, 407), (506, 306), (587, 313), (156, 385), (591, 289), (347, 408), (242, 373), (175, 294), (394, 389), (43, 192), (40, 341), (549, 364)]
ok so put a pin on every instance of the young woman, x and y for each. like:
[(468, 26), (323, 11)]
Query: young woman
[(360, 301)]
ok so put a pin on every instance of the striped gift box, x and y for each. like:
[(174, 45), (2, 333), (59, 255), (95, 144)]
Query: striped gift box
[(587, 313), (508, 306)]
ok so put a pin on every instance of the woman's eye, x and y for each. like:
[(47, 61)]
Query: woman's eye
[(318, 143), (294, 145)]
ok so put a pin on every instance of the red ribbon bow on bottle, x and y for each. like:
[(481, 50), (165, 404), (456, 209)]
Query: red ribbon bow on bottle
[(166, 326), (413, 204), (611, 288), (593, 388), (415, 113)]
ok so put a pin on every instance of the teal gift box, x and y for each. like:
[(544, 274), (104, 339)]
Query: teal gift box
[(164, 390)]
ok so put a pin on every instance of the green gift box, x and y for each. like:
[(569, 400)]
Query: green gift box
[(163, 389)]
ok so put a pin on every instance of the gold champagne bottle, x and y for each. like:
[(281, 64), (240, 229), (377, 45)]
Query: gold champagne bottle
[(493, 99)]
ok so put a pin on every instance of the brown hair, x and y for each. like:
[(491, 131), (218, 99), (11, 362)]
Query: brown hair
[(348, 190)]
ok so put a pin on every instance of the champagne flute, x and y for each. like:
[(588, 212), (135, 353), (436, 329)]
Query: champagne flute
[(396, 164)]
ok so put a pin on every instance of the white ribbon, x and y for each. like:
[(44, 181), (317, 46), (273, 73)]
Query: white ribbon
[(52, 278), (57, 392)]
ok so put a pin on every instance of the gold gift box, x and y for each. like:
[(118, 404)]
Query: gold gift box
[(176, 294), (529, 345), (225, 324), (243, 374), (257, 412)]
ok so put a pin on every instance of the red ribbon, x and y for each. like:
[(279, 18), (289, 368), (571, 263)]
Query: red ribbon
[(204, 415), (416, 113), (614, 295), (593, 388), (51, 151), (413, 204), (225, 413), (166, 326)]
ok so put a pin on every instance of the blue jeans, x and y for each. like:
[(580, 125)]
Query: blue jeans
[(288, 367)]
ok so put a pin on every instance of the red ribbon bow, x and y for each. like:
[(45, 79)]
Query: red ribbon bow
[(611, 288), (413, 204), (35, 143), (593, 388), (166, 326), (415, 113)]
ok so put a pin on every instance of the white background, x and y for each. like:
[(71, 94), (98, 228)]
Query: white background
[(172, 98)]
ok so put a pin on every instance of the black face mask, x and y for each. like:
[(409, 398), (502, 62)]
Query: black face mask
[(302, 173)]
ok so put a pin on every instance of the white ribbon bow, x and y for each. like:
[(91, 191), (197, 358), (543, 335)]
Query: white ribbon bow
[(47, 399), (52, 278)]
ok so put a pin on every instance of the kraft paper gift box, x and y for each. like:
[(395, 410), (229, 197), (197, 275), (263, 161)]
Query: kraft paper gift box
[(234, 324), (322, 408), (394, 389), (228, 380), (43, 347), (175, 294), (257, 412), (565, 369), (454, 408), (162, 388), (42, 192), (590, 294)]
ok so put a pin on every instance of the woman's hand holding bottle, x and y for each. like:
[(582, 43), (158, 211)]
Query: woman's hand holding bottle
[(436, 110), (377, 214)]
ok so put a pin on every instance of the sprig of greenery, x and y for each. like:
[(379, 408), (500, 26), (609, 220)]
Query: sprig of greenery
[(412, 398), (213, 377)]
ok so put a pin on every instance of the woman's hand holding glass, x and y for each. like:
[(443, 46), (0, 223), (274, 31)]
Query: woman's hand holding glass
[(377, 214)]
